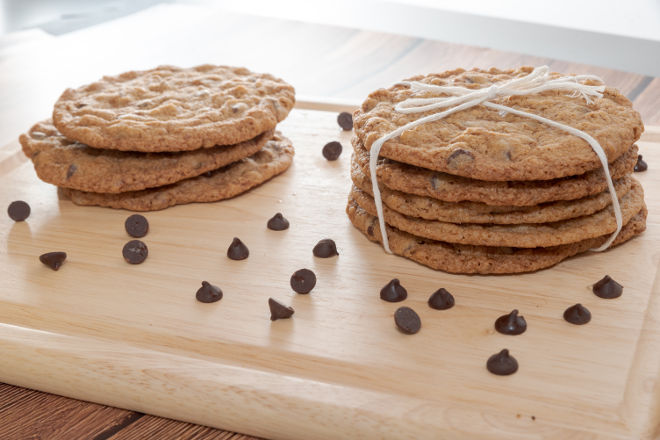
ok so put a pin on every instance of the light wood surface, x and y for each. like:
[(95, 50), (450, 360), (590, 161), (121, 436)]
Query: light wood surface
[(134, 336), (325, 63)]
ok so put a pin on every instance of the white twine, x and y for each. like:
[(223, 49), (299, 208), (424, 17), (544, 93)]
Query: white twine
[(461, 98)]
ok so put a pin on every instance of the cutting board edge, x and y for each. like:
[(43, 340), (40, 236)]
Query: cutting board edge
[(173, 392)]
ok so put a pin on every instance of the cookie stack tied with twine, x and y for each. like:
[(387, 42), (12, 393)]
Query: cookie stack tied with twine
[(496, 171), (147, 140)]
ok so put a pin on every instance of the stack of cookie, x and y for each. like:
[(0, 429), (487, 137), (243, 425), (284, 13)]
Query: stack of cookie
[(484, 191), (147, 140)]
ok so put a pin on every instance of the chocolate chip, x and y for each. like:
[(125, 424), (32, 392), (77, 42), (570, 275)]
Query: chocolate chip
[(279, 310), (303, 281), (208, 293), (607, 288), (502, 363), (53, 260), (208, 174), (332, 150), (325, 248), (460, 158), (135, 252), (18, 210), (511, 324), (136, 226), (393, 292), (278, 222), (641, 165), (345, 121), (434, 180), (237, 250), (407, 320), (441, 299), (577, 314), (370, 230), (71, 171)]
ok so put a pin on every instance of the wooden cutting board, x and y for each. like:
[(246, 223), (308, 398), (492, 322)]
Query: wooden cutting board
[(135, 337)]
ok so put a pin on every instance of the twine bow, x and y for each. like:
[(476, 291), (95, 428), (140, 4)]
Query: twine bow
[(457, 98)]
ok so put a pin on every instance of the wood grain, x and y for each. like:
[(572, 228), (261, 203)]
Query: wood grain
[(31, 414), (134, 337), (334, 64)]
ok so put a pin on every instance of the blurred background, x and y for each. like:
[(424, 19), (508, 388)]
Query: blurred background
[(616, 34), (331, 51)]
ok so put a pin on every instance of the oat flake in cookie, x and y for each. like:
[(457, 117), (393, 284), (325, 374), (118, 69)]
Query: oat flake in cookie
[(173, 109), (484, 144)]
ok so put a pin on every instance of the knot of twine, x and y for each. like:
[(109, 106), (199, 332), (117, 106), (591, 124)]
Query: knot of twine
[(457, 98)]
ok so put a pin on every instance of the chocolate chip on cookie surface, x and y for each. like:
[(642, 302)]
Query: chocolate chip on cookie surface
[(66, 163), (273, 159), (170, 108), (486, 144)]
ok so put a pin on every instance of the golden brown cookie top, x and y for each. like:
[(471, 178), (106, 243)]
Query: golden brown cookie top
[(173, 109), (484, 144)]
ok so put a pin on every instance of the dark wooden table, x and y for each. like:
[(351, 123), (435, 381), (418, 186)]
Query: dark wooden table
[(320, 61)]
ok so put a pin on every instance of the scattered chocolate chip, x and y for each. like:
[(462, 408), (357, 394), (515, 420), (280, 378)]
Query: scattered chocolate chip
[(237, 250), (370, 230), (332, 150), (577, 314), (460, 158), (641, 165), (136, 226), (279, 310), (441, 299), (278, 222), (325, 248), (18, 210), (533, 417), (607, 288), (407, 320), (135, 252), (208, 293), (511, 324), (71, 171), (53, 260), (303, 281), (502, 363), (345, 121), (208, 174), (393, 292)]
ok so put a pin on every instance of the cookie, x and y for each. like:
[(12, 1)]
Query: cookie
[(429, 208), (173, 109), (517, 235), (481, 143), (224, 183), (420, 181), (467, 259), (70, 164)]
